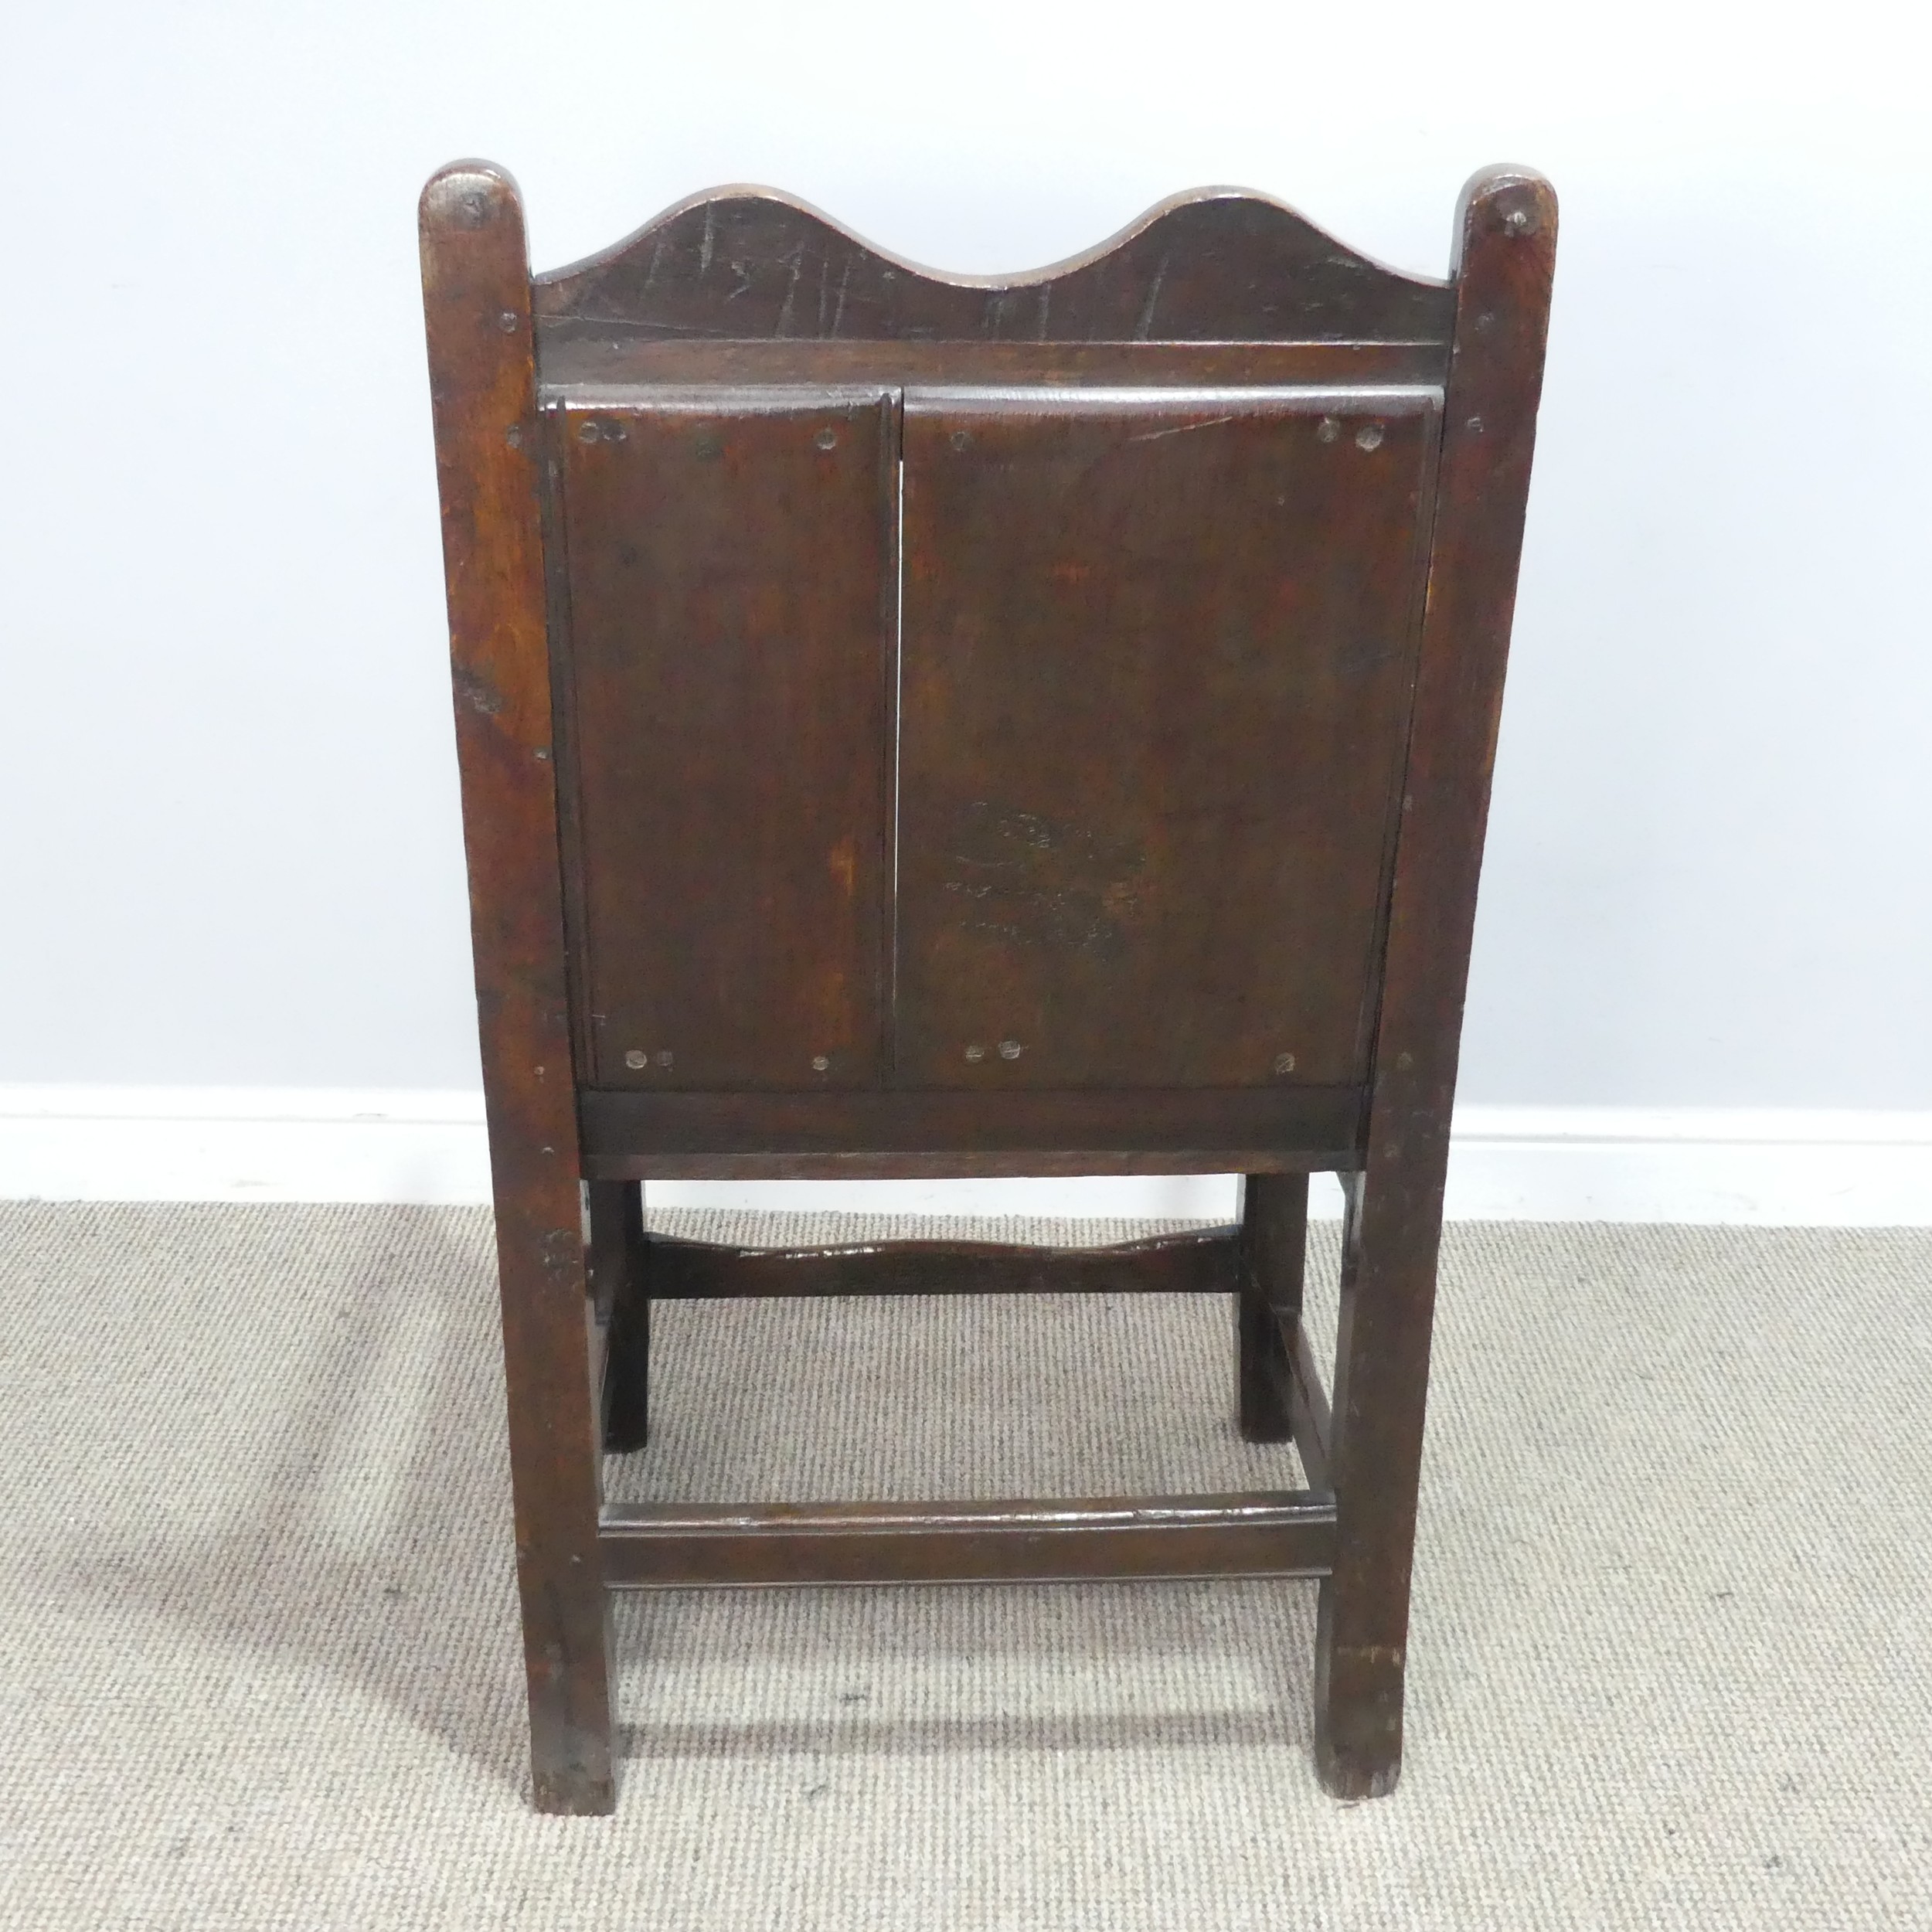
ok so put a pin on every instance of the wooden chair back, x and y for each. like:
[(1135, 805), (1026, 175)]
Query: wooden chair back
[(912, 724)]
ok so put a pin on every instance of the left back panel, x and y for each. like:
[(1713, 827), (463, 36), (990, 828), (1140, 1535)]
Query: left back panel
[(727, 671)]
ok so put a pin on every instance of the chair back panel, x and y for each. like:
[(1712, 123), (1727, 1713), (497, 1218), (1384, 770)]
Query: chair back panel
[(730, 594), (1158, 653), (983, 686)]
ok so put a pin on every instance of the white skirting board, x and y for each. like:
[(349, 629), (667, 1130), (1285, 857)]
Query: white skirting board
[(1750, 1167)]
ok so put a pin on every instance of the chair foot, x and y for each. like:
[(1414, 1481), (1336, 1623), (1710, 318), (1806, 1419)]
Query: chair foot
[(1352, 1780), (575, 1791), (568, 1642), (1358, 1713)]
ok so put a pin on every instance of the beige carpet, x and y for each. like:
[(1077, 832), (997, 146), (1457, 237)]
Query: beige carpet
[(1672, 1651)]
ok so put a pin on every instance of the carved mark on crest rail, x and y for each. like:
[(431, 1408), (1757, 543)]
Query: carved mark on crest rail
[(1216, 265)]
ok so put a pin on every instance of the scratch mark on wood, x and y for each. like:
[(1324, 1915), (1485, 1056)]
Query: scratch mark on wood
[(1183, 429), (1301, 281), (1144, 328), (476, 691), (794, 261)]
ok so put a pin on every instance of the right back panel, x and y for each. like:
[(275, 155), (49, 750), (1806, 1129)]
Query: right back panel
[(1158, 656)]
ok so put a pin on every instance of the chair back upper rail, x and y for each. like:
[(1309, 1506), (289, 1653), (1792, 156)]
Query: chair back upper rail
[(1215, 265)]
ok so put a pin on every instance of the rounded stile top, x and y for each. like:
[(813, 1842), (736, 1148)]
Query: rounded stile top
[(468, 195), (1513, 201)]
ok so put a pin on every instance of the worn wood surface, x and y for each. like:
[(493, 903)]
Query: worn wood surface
[(670, 1547), (1196, 1262), (1214, 265), (1273, 1249), (731, 592), (1211, 538), (572, 367), (1060, 1164), (1124, 1130), (476, 299), (1505, 260), (1157, 654)]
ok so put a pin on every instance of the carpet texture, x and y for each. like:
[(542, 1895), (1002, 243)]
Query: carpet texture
[(1671, 1659)]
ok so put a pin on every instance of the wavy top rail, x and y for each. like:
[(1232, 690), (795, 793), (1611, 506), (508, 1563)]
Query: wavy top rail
[(1217, 265)]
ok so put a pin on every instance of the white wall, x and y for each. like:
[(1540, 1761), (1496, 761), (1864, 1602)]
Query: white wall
[(227, 799)]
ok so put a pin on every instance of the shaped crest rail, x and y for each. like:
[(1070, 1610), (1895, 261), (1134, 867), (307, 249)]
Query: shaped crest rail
[(1216, 265)]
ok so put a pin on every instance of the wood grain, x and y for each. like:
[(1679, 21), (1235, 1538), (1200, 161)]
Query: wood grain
[(673, 1546), (476, 299), (1506, 259), (1300, 1126), (731, 592), (1157, 656), (1200, 1262), (1217, 265), (572, 366)]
